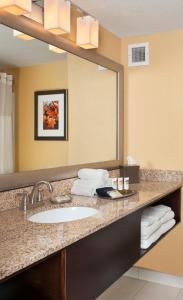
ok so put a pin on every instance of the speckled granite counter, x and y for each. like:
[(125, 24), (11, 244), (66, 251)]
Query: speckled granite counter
[(22, 243)]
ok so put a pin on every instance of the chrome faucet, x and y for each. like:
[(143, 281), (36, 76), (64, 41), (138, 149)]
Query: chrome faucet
[(37, 194), (35, 197)]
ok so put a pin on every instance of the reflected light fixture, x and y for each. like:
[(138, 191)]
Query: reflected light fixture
[(37, 15), (56, 49), (21, 35), (87, 32), (16, 7), (57, 16)]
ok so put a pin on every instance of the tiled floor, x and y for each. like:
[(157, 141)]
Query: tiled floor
[(127, 288)]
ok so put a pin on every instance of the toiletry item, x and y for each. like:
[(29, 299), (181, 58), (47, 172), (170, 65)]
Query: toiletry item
[(126, 183), (120, 183), (103, 192), (114, 194), (115, 183), (61, 199)]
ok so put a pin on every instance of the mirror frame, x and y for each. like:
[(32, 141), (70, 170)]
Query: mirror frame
[(28, 178)]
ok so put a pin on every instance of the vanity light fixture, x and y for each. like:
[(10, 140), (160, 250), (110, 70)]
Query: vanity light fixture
[(37, 15), (56, 49), (57, 16), (16, 7), (87, 32)]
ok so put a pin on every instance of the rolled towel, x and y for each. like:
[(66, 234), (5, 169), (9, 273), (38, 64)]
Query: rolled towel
[(93, 174), (147, 231), (168, 216), (146, 243)]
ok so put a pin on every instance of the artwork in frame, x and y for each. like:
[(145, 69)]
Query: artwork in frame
[(51, 115)]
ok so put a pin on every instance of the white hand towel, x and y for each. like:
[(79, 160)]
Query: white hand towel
[(168, 216), (93, 174), (147, 231), (146, 243)]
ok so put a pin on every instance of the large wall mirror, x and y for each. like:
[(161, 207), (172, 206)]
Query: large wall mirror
[(27, 67), (58, 111)]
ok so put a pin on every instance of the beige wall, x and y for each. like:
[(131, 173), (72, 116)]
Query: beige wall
[(153, 126), (92, 112), (153, 102), (33, 154)]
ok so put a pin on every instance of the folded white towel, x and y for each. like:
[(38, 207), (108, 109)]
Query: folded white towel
[(146, 243), (166, 226), (93, 174), (154, 213), (95, 183), (84, 191), (147, 231), (87, 187), (147, 221), (168, 216)]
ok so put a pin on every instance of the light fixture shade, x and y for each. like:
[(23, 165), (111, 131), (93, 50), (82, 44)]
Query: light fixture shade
[(36, 14), (87, 32), (21, 35), (56, 49), (57, 16), (16, 7)]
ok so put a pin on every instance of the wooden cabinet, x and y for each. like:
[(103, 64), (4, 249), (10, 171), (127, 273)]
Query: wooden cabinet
[(83, 270), (96, 261)]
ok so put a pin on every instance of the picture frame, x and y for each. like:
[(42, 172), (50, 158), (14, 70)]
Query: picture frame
[(51, 116)]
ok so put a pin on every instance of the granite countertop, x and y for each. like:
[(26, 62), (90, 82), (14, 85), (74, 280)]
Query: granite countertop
[(23, 243)]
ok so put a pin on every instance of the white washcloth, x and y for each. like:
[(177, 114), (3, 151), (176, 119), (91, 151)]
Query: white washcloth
[(147, 231), (168, 216), (154, 213), (93, 174), (146, 243)]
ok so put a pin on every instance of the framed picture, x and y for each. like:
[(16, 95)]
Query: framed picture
[(51, 115)]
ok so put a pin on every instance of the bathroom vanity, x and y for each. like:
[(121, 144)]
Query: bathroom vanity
[(77, 260)]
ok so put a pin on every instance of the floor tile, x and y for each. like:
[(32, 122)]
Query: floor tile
[(156, 291), (180, 296), (123, 289)]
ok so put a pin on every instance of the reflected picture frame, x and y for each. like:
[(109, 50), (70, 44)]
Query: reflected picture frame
[(51, 115)]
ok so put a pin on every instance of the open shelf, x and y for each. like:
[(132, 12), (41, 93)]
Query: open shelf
[(172, 200)]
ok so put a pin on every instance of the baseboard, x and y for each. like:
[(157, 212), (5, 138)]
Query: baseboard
[(153, 276)]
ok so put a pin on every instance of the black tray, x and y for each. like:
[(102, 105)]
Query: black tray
[(127, 193)]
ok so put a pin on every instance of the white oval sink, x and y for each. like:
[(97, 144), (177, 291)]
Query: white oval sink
[(64, 214)]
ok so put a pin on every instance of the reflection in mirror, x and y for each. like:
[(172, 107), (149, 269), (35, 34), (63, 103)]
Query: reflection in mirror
[(27, 67)]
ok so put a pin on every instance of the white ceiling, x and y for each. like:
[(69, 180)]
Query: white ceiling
[(17, 53), (135, 17)]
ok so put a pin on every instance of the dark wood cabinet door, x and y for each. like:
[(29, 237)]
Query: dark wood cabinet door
[(96, 261)]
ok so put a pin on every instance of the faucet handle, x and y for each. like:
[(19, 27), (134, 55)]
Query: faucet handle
[(40, 195), (24, 197)]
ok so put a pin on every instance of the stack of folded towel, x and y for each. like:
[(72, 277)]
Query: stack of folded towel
[(90, 180), (155, 221)]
